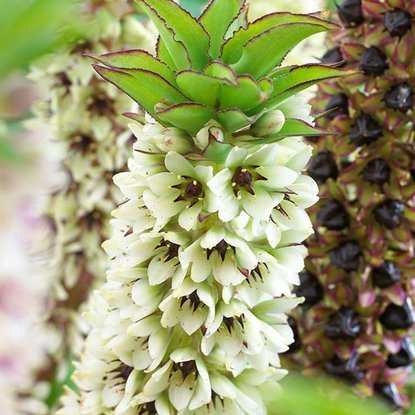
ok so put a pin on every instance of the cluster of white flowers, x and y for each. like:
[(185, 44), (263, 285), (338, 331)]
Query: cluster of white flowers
[(203, 258), (83, 118)]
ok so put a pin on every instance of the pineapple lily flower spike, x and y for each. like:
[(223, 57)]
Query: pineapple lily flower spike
[(207, 245)]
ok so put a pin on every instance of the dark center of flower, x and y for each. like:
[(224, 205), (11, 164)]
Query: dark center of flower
[(346, 256), (397, 317), (124, 372), (193, 189), (389, 213), (186, 368), (405, 357), (400, 97), (83, 143), (63, 79), (345, 368), (101, 105), (309, 288), (344, 324), (333, 216), (338, 105), (389, 392), (221, 248), (92, 220), (386, 275), (397, 22), (350, 12), (230, 322), (148, 408), (193, 299), (365, 130), (373, 61), (333, 55), (323, 166), (377, 171)]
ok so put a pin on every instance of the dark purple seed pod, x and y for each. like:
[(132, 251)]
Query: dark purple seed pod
[(345, 369), (377, 171), (389, 213), (346, 256), (343, 325), (389, 392), (350, 13), (373, 61), (397, 22), (323, 166), (386, 275), (333, 216), (338, 105), (405, 357), (365, 130), (333, 55), (309, 288), (296, 346), (397, 317), (400, 97)]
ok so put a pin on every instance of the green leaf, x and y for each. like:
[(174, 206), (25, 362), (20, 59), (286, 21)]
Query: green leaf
[(200, 87), (137, 59), (188, 116), (216, 19), (292, 80), (247, 94), (194, 7), (233, 48), (217, 151), (220, 70), (185, 28), (233, 119), (145, 87), (292, 128), (169, 50), (266, 51)]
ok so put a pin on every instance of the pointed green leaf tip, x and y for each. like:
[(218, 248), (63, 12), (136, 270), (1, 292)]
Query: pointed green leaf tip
[(217, 67)]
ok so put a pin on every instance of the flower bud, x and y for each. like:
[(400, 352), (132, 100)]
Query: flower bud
[(309, 288), (323, 166), (373, 61), (346, 256), (350, 12), (386, 275), (397, 317), (400, 97), (365, 130), (173, 139), (344, 324), (333, 216), (270, 123), (397, 22), (377, 171), (389, 213), (212, 130)]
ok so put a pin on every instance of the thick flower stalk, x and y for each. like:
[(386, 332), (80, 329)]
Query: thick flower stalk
[(358, 318), (207, 244)]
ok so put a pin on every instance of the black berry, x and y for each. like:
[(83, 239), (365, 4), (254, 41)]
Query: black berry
[(338, 105), (333, 55), (347, 369), (309, 288), (389, 392), (344, 324), (350, 12), (389, 213), (397, 22), (405, 357), (377, 171), (397, 317), (400, 97), (323, 166), (346, 256), (365, 130), (386, 275), (373, 61), (333, 216)]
